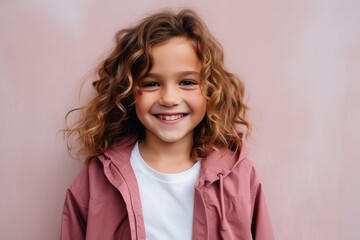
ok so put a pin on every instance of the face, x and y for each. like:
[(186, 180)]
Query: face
[(170, 103)]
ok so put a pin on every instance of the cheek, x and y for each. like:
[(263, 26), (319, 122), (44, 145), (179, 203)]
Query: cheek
[(140, 106), (199, 103)]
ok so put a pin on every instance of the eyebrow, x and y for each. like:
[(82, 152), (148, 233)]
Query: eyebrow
[(178, 74)]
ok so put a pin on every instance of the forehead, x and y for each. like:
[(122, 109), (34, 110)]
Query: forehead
[(175, 55)]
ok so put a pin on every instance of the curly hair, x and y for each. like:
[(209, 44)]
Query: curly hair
[(110, 115)]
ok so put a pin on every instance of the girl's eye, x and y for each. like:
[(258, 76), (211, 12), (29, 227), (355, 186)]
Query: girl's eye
[(188, 82), (149, 85)]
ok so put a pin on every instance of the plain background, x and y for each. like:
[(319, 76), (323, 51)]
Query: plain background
[(300, 61)]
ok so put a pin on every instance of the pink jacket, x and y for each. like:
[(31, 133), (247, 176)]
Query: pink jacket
[(104, 201)]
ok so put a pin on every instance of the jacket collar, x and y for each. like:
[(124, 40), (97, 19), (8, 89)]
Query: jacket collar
[(218, 162), (120, 152), (215, 167)]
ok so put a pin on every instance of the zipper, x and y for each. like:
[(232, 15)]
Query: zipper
[(131, 201)]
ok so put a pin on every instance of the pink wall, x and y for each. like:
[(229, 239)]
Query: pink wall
[(301, 64)]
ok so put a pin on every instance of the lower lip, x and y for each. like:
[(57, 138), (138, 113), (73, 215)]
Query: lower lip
[(170, 122)]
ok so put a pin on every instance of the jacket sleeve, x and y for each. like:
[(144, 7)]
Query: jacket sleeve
[(74, 216), (261, 227)]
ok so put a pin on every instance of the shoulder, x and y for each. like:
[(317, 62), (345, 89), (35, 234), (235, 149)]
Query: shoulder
[(82, 180), (92, 178), (89, 180), (244, 171)]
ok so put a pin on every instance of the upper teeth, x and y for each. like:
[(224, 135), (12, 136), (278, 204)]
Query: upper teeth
[(170, 117)]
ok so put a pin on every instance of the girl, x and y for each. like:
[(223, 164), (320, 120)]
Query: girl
[(163, 137)]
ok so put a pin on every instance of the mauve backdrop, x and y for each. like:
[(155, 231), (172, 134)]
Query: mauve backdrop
[(300, 61)]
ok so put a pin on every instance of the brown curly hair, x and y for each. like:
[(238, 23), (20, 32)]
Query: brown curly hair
[(110, 115)]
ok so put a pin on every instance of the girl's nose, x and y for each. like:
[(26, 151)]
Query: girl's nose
[(170, 96)]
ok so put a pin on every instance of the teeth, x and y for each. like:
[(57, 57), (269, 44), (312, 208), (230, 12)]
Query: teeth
[(170, 117)]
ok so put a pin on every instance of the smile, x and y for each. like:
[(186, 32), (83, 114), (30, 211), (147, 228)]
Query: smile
[(170, 117)]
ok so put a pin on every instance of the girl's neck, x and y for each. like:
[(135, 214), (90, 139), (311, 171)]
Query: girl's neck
[(167, 157)]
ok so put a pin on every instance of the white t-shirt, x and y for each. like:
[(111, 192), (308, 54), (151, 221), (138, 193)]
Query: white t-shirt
[(167, 199)]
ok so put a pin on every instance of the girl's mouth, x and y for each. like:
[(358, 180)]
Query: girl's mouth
[(172, 117)]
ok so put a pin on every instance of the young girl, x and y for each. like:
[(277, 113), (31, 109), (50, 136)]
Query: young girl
[(163, 137)]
